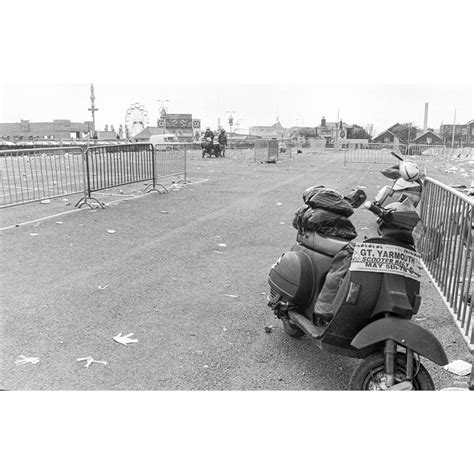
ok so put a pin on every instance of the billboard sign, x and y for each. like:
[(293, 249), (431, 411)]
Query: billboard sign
[(179, 121)]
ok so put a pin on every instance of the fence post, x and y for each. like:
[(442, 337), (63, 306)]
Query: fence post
[(185, 163), (153, 154)]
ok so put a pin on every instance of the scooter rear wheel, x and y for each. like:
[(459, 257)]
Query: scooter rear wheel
[(370, 374), (292, 330)]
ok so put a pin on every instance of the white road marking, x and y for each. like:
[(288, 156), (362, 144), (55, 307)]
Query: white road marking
[(124, 198)]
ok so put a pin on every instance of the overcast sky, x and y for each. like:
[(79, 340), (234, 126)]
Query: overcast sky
[(294, 104)]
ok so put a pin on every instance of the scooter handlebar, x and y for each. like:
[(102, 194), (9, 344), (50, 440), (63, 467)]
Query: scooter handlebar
[(398, 157), (378, 211)]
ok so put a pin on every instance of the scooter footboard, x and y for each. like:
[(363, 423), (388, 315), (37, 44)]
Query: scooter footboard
[(405, 333)]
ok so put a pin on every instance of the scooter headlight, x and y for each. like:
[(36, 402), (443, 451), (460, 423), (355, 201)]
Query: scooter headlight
[(382, 194)]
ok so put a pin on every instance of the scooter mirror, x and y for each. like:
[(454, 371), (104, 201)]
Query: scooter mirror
[(356, 198)]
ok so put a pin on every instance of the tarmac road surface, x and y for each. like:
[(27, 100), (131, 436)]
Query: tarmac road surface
[(186, 273)]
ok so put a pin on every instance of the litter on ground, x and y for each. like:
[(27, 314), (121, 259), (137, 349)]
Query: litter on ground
[(124, 339), (111, 231), (232, 296), (459, 367), (26, 360), (46, 201), (90, 360)]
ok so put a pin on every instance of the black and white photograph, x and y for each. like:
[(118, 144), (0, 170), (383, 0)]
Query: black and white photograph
[(220, 219)]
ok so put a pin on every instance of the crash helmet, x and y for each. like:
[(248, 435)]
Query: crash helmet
[(409, 170)]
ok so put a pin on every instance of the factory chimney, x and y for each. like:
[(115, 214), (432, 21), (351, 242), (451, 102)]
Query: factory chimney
[(425, 122)]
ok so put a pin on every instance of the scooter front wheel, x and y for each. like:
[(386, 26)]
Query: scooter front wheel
[(370, 375), (292, 330)]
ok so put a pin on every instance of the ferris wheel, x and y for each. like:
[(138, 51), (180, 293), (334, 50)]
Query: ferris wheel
[(136, 119)]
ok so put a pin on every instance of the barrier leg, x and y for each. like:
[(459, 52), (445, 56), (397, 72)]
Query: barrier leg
[(85, 201)]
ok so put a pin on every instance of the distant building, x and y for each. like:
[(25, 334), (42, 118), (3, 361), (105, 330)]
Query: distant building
[(303, 132), (463, 134), (386, 137), (398, 133), (55, 130), (428, 138), (332, 131), (269, 131)]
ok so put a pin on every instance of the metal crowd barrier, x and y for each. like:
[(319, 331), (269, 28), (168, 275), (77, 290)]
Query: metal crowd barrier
[(436, 151), (31, 175), (171, 161), (266, 150), (373, 153), (445, 245), (461, 152), (111, 166)]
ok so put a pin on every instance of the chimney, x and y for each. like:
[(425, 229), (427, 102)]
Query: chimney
[(323, 122), (425, 122)]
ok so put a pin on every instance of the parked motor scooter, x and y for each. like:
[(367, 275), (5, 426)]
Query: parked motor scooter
[(373, 307)]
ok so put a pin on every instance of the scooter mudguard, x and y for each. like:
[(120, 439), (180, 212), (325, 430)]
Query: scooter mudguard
[(406, 334)]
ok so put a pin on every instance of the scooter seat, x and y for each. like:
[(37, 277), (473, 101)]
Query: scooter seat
[(321, 243)]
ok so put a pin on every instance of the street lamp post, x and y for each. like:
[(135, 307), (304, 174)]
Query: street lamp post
[(230, 119), (92, 108), (163, 112)]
